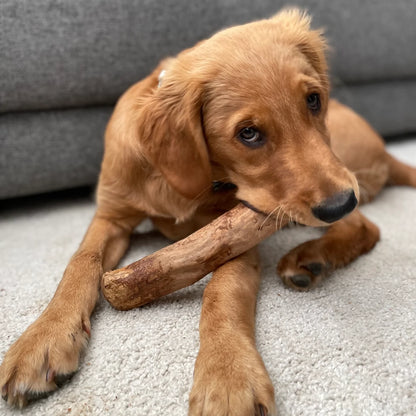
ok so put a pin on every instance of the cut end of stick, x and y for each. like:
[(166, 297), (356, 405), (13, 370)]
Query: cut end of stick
[(115, 287)]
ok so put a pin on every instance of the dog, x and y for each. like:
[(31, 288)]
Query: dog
[(247, 110)]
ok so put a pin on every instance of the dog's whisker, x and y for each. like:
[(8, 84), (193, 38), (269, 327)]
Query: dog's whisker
[(276, 219), (279, 213), (204, 191), (208, 189), (279, 216), (281, 220), (268, 216), (290, 218)]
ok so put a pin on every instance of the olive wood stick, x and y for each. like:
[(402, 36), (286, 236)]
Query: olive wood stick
[(186, 261)]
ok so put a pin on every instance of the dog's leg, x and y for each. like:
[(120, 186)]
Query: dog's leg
[(305, 266), (51, 346), (230, 377), (400, 173)]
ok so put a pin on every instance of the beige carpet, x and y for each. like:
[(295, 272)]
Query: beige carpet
[(347, 348)]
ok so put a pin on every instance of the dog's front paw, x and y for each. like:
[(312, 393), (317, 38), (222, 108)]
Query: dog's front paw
[(46, 353), (304, 267), (231, 380)]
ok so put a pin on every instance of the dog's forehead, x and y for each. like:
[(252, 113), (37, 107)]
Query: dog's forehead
[(265, 65), (263, 88), (263, 53), (266, 76)]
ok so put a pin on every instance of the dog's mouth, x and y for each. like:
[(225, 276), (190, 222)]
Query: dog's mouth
[(328, 211), (280, 216), (253, 208), (332, 209), (219, 186)]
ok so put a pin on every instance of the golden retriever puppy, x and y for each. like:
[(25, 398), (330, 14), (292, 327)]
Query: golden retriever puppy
[(247, 110)]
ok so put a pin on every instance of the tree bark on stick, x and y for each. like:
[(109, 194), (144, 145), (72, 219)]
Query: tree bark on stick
[(186, 261)]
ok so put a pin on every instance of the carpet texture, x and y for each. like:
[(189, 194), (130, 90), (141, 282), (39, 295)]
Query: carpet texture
[(346, 348)]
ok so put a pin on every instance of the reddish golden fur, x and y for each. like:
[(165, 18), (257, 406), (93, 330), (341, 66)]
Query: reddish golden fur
[(163, 148)]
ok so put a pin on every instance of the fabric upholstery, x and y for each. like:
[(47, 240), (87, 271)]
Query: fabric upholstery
[(64, 63), (50, 150), (60, 54)]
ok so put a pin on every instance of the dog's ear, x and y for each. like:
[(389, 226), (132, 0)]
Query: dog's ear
[(171, 133), (296, 28)]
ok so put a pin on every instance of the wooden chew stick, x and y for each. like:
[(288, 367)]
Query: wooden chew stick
[(186, 261)]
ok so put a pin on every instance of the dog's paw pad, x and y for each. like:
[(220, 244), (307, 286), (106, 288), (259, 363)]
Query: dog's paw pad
[(304, 266), (315, 268), (301, 272), (301, 280)]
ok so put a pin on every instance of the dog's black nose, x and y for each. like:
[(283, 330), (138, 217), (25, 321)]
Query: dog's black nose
[(336, 206)]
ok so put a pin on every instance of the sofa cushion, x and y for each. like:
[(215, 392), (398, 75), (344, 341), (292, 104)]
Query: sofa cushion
[(73, 53), (51, 150), (387, 106)]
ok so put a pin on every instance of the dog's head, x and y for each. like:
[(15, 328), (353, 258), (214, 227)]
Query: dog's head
[(251, 103)]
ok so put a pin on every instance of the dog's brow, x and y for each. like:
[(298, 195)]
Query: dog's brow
[(309, 82)]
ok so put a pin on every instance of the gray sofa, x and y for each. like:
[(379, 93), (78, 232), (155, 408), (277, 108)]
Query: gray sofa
[(63, 64)]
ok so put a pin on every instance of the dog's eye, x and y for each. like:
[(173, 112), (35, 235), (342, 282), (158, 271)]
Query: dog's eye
[(314, 103), (251, 137)]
